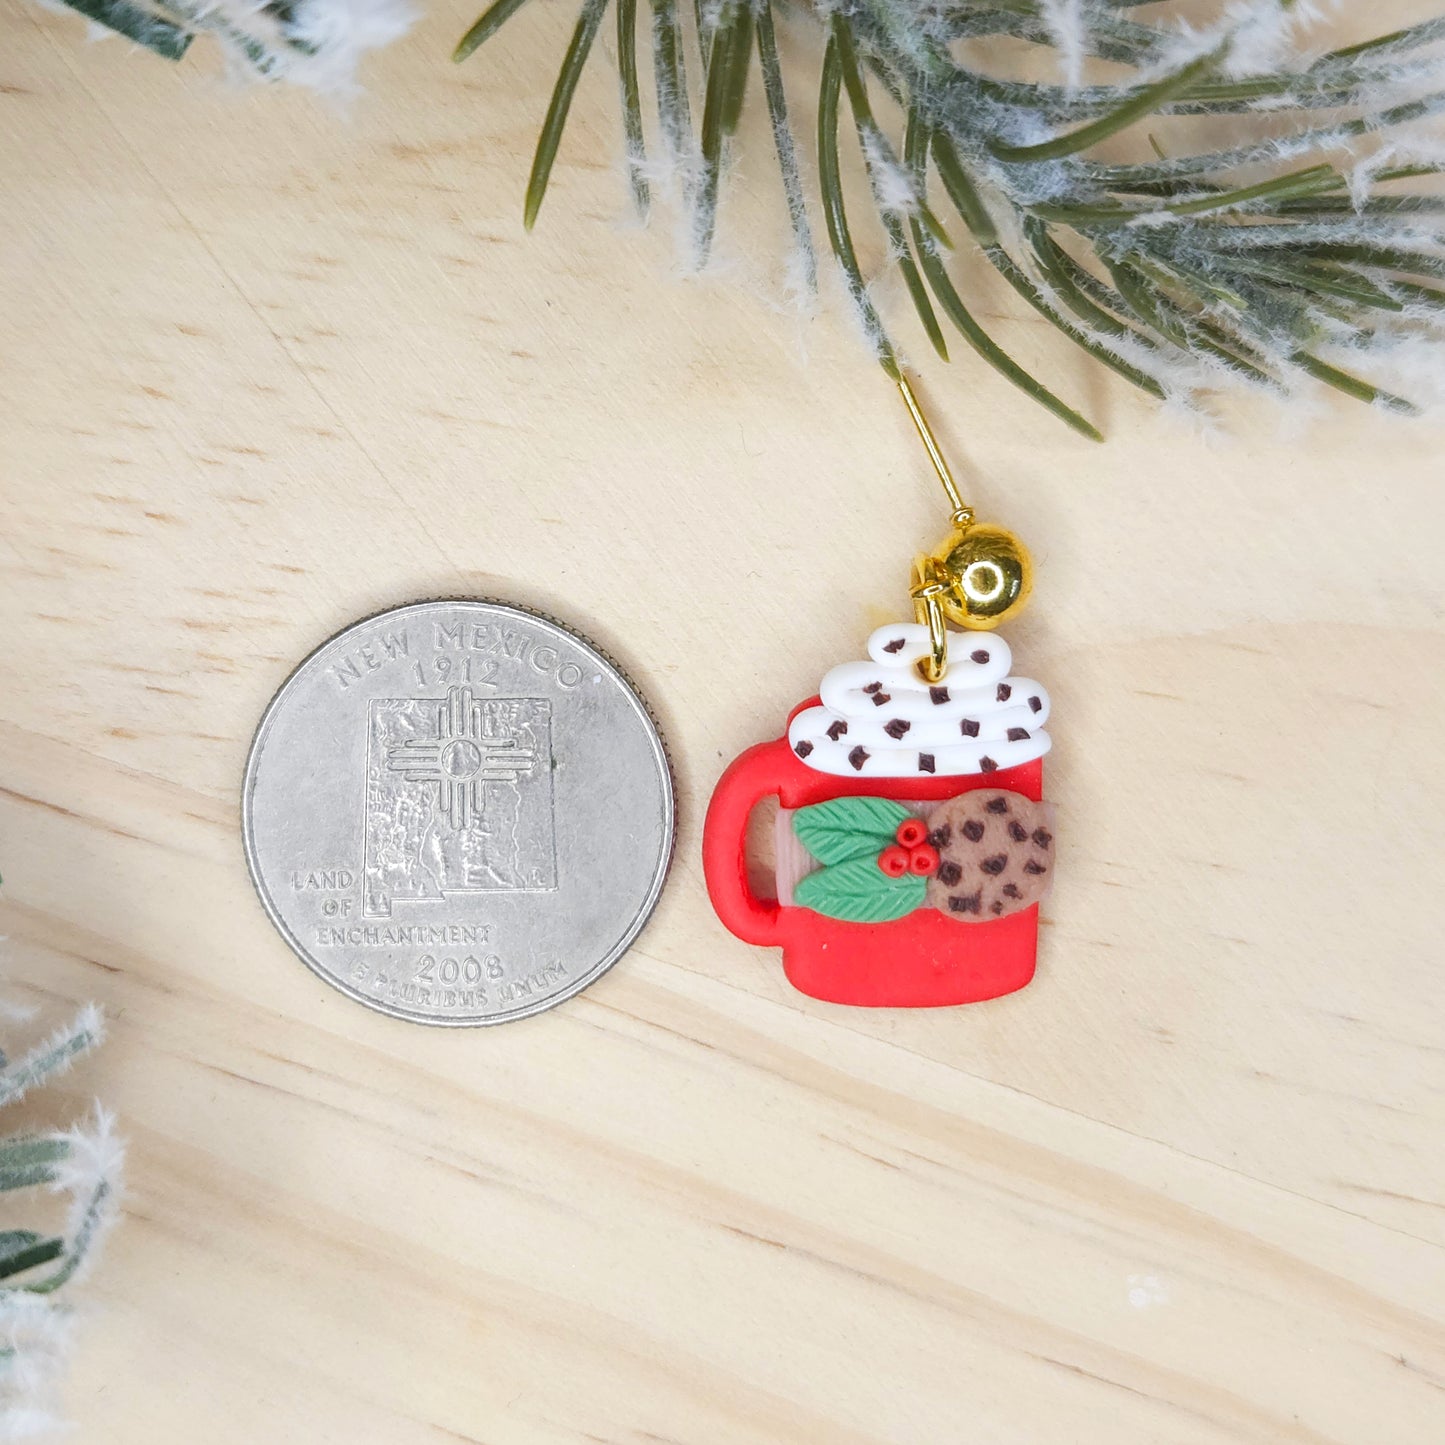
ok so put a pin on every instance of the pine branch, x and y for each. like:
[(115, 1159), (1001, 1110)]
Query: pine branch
[(1224, 265), (81, 1164)]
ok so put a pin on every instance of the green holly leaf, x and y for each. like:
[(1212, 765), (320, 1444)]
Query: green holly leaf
[(846, 828), (858, 891)]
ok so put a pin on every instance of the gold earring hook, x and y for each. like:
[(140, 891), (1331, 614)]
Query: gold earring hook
[(976, 578), (928, 588), (962, 512)]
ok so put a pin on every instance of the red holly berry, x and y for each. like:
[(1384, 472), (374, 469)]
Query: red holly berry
[(894, 861), (911, 832), (923, 860)]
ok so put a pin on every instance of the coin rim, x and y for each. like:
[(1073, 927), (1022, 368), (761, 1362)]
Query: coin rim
[(629, 936)]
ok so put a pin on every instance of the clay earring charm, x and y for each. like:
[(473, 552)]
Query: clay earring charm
[(913, 842)]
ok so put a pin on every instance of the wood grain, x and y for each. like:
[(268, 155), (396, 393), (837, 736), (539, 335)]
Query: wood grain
[(267, 367)]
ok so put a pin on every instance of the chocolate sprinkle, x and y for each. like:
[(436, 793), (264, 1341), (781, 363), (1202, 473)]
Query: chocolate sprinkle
[(1036, 704), (1018, 735), (1034, 867), (1017, 831), (972, 830), (980, 657), (1043, 837), (1011, 890), (837, 729), (897, 645), (996, 907), (948, 874), (987, 765), (970, 903), (873, 687), (925, 763), (803, 749), (941, 837), (879, 698), (1004, 692), (857, 758), (968, 727), (897, 727), (995, 865), (938, 695), (997, 804)]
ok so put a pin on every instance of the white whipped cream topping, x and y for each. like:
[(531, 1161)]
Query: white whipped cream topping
[(882, 719)]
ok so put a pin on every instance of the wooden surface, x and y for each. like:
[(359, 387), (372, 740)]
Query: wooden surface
[(266, 368)]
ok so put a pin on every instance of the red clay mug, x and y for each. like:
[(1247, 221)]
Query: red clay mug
[(955, 755)]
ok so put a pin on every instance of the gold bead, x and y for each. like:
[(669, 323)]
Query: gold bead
[(986, 575)]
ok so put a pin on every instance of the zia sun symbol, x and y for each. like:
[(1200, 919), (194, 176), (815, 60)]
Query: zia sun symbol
[(461, 758)]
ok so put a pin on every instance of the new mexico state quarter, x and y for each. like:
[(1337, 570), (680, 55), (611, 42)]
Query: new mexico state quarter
[(458, 812)]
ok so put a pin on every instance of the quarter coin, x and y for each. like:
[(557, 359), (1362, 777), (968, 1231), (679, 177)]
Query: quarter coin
[(458, 812)]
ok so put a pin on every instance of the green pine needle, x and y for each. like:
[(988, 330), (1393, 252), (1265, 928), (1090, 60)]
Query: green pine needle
[(1343, 381), (777, 99), (632, 103), (670, 78), (158, 34), (1148, 100), (727, 79), (488, 23), (576, 57), (22, 1249)]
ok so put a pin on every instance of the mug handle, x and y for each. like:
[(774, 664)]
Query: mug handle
[(749, 779)]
